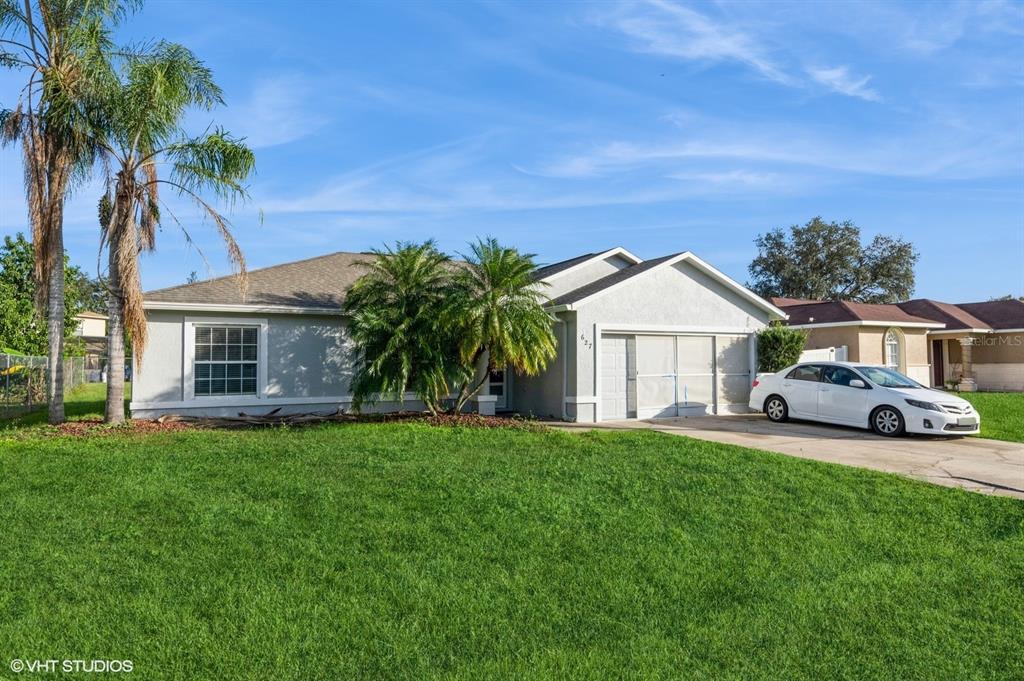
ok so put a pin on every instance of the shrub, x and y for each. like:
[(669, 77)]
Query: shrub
[(778, 347)]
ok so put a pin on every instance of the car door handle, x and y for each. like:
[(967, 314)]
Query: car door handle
[(825, 390)]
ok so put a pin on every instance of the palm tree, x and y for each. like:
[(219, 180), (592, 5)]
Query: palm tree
[(395, 321), (137, 126), (65, 47), (499, 312)]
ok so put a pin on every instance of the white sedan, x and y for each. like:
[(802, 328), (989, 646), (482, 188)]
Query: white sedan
[(852, 394)]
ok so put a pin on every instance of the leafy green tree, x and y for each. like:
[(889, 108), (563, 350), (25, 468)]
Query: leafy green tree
[(826, 261), (498, 311), (778, 347), (21, 326), (395, 321), (138, 128), (64, 46)]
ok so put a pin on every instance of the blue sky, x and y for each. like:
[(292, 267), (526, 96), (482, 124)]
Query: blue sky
[(563, 128)]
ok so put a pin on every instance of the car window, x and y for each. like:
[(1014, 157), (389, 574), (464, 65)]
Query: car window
[(808, 372), (887, 378), (838, 376)]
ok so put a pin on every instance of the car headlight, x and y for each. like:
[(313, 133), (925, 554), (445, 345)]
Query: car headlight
[(930, 406)]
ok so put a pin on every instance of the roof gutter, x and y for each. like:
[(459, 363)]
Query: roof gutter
[(957, 332), (903, 325), (240, 307)]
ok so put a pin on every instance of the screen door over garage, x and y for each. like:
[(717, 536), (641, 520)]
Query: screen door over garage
[(659, 375), (695, 360), (733, 363), (656, 376)]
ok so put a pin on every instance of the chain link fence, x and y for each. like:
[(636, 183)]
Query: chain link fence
[(24, 384)]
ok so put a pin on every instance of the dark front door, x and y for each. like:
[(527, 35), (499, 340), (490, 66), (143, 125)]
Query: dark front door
[(937, 361)]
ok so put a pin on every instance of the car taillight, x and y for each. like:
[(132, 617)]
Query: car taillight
[(756, 382)]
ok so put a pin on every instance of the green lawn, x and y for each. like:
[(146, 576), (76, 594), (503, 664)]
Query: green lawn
[(401, 550), (1002, 414)]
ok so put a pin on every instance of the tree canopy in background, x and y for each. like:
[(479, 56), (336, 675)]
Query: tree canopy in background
[(826, 261), (22, 327)]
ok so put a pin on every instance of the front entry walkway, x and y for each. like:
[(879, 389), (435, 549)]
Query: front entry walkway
[(988, 466)]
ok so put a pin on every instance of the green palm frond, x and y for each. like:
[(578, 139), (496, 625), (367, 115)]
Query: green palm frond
[(395, 323)]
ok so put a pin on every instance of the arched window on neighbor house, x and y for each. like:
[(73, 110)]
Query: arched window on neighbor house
[(892, 350)]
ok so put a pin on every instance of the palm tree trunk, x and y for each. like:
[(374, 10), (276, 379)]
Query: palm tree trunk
[(466, 392), (55, 316), (114, 412)]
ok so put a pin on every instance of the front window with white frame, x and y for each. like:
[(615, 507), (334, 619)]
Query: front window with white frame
[(892, 349), (225, 360)]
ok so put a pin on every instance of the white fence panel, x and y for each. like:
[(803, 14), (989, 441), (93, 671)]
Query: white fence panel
[(837, 354)]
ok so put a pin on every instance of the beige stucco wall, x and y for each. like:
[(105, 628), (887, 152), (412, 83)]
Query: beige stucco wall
[(871, 341), (998, 348), (834, 337), (90, 327)]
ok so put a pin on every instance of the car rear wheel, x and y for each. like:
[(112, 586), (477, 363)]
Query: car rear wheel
[(887, 421), (776, 409)]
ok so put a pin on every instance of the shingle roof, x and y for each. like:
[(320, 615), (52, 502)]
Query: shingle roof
[(951, 315), (600, 284), (829, 312), (319, 282), (999, 314), (556, 267)]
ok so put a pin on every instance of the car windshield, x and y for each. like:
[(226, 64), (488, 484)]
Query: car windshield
[(887, 378)]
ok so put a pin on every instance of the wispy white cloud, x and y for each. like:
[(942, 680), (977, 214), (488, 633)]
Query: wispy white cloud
[(279, 109), (838, 79), (462, 177), (672, 30), (937, 151), (676, 31)]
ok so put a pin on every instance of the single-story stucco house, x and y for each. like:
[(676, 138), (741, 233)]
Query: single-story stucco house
[(636, 338), (977, 346)]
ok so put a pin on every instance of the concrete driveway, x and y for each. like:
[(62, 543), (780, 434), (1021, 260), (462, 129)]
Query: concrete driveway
[(988, 466)]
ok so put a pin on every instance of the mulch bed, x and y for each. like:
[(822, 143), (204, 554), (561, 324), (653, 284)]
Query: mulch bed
[(175, 423)]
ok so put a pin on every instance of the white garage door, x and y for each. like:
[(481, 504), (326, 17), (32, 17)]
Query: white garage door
[(618, 391)]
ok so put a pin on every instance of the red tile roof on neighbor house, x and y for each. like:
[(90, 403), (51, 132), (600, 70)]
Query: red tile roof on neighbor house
[(952, 316), (999, 314), (994, 315), (841, 311)]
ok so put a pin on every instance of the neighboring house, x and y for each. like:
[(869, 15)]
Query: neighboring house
[(981, 346), (92, 329), (636, 338), (874, 334), (91, 324), (977, 346)]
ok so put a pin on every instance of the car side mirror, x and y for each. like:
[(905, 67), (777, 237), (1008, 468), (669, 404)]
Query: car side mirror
[(857, 383)]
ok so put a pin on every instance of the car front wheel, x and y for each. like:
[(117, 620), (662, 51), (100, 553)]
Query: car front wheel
[(776, 409), (887, 421)]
